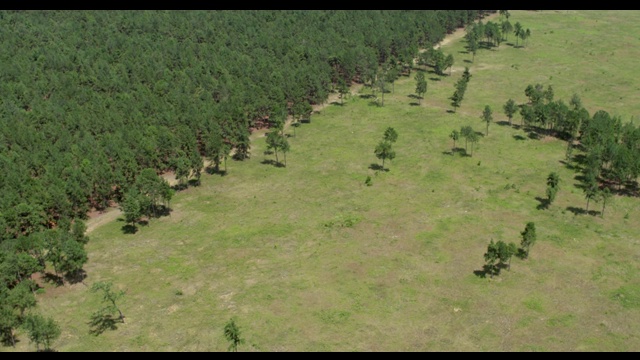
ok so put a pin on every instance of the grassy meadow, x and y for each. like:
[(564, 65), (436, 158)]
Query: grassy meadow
[(309, 258)]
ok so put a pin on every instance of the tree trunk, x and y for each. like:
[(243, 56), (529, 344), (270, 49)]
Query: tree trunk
[(588, 204), (276, 152), (382, 163)]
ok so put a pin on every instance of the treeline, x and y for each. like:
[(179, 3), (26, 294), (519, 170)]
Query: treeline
[(94, 105)]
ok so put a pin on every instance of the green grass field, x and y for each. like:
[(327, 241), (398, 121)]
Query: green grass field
[(308, 258)]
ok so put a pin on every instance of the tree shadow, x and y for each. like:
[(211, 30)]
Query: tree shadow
[(519, 137), (211, 170), (467, 60), (377, 167), (479, 133), (335, 103), (57, 280), (568, 165), (180, 186), (503, 123), (456, 150), (306, 121), (533, 135), (463, 52), (129, 229), (580, 159), (521, 254), (481, 273), (544, 203), (366, 96), (435, 79), (450, 111), (193, 182), (100, 323), (272, 162), (76, 277), (413, 96), (576, 211), (413, 103), (7, 340)]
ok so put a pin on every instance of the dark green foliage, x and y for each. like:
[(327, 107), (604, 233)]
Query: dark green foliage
[(390, 135), (41, 331), (455, 135), (510, 108), (487, 117), (421, 85), (384, 149), (110, 314), (233, 335), (553, 185), (368, 181), (528, 239)]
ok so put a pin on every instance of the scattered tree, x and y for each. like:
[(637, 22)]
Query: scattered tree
[(553, 185), (41, 331), (110, 297), (455, 135), (528, 239), (384, 151), (233, 335), (510, 108), (487, 117), (605, 195)]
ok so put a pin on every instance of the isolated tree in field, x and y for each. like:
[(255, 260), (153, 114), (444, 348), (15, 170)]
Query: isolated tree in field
[(421, 85), (275, 142), (553, 185), (473, 47), (390, 135), (233, 335), (510, 109), (110, 297), (41, 331), (284, 147), (439, 61), (490, 258), (448, 63), (487, 117), (517, 29), (605, 195), (465, 132), (506, 29), (505, 252), (384, 151), (455, 135), (473, 139), (456, 99), (528, 239)]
